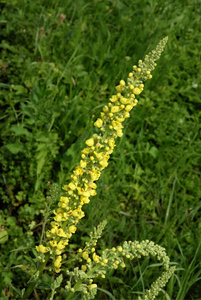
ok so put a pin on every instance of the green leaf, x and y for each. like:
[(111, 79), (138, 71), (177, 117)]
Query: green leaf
[(20, 89), (3, 236), (15, 148), (57, 282), (41, 158), (19, 130), (154, 152)]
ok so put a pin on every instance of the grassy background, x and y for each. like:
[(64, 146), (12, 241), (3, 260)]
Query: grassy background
[(55, 76)]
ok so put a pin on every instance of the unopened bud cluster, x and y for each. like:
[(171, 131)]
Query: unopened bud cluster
[(95, 266)]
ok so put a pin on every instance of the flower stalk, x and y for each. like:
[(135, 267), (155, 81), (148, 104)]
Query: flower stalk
[(94, 159)]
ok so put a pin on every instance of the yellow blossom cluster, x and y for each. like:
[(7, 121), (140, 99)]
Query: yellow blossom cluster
[(94, 158)]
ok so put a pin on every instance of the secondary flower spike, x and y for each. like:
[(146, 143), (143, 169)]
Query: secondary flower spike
[(94, 158)]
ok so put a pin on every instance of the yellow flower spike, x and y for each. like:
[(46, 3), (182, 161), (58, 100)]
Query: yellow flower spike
[(94, 160)]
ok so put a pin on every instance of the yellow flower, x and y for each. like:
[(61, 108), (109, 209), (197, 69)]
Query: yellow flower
[(103, 163), (85, 255), (57, 264), (114, 98), (128, 107), (78, 171), (119, 88), (83, 164), (64, 199), (84, 199), (58, 218), (42, 249), (122, 83), (60, 245), (98, 123), (120, 249), (72, 186), (53, 243), (96, 258), (90, 142), (115, 109), (60, 232), (92, 286), (84, 267), (137, 91), (111, 143), (72, 228), (119, 133), (105, 108), (124, 100)]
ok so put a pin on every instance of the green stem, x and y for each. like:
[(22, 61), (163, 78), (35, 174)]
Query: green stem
[(32, 284)]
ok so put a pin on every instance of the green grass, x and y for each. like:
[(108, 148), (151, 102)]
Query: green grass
[(55, 78)]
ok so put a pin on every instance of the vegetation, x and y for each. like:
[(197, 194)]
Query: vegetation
[(59, 64)]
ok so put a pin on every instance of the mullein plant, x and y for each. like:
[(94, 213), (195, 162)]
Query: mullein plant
[(94, 158)]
